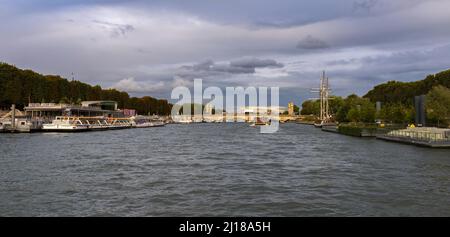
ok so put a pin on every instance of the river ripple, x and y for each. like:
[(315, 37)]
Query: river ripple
[(219, 170)]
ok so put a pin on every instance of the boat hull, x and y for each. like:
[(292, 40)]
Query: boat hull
[(320, 125), (98, 128), (118, 127), (64, 130), (158, 125)]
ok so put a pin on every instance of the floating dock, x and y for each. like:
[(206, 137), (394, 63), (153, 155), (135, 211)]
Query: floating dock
[(333, 129), (305, 122), (426, 137)]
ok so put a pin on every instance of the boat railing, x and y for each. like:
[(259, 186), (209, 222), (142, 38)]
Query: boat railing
[(61, 106)]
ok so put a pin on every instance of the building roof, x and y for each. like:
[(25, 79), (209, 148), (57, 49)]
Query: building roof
[(9, 114), (98, 101)]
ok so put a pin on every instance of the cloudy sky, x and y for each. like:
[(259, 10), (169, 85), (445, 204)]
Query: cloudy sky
[(149, 47)]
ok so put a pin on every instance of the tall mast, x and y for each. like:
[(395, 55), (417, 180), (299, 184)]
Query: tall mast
[(327, 107), (324, 93), (321, 92)]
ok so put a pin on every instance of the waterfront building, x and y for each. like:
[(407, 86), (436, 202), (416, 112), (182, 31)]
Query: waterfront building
[(15, 121), (261, 110), (419, 104), (49, 111), (251, 113)]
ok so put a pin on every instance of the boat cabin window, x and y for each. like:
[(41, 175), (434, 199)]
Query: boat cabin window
[(22, 123)]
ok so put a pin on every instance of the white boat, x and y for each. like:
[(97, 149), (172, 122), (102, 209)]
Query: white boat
[(20, 125), (15, 121), (95, 123), (104, 123), (150, 124), (323, 124), (23, 125), (259, 122), (119, 123), (65, 124), (197, 120), (97, 127), (158, 124), (184, 121), (143, 125), (145, 122)]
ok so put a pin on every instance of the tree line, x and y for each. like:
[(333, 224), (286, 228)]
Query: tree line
[(20, 87), (397, 102)]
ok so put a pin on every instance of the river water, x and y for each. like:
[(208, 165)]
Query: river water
[(225, 169)]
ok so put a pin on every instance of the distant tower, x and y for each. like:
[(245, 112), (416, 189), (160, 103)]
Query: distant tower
[(209, 109), (378, 110), (419, 102), (291, 108), (378, 106)]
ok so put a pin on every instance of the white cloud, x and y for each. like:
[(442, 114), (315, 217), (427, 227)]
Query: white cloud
[(178, 81), (131, 85)]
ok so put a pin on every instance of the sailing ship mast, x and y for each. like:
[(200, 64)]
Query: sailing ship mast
[(324, 94)]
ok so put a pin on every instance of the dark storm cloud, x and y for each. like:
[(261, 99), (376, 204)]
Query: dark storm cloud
[(310, 42), (227, 68), (239, 66), (358, 75), (202, 66), (255, 63), (365, 5), (401, 64)]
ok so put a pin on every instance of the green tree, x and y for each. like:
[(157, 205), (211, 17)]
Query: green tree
[(310, 107), (353, 115), (438, 104), (404, 92), (355, 109), (296, 109), (397, 113), (21, 86)]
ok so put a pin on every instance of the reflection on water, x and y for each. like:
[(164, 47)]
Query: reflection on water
[(219, 170)]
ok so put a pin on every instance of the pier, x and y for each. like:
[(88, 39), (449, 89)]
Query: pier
[(423, 136)]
